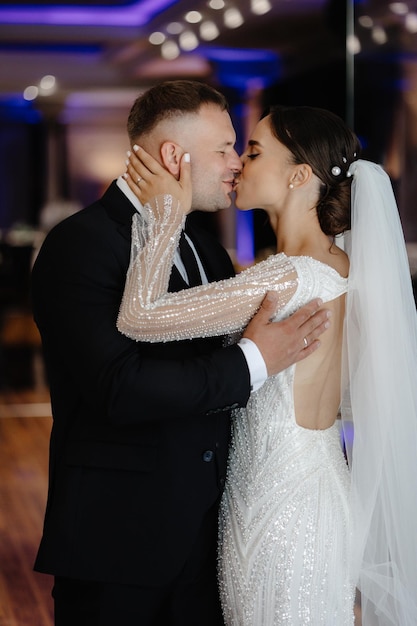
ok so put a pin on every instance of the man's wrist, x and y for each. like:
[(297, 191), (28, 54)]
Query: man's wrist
[(256, 364)]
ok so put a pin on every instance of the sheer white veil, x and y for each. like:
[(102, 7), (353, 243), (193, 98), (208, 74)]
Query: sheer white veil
[(380, 378)]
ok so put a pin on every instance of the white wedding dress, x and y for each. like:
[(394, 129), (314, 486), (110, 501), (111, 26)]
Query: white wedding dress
[(284, 518), (284, 521)]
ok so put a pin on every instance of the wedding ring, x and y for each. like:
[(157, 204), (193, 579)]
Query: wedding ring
[(305, 342), (138, 180)]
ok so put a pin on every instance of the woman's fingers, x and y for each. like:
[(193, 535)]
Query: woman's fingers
[(185, 182), (147, 178), (140, 156), (136, 168)]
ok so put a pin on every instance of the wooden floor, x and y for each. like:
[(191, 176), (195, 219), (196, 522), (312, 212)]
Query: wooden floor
[(25, 425)]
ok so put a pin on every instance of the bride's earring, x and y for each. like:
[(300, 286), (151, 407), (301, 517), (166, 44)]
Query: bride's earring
[(291, 186)]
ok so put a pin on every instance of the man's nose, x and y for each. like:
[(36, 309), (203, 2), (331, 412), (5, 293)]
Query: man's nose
[(235, 163)]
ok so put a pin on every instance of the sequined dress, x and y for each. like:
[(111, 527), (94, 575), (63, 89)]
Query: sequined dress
[(284, 518), (283, 548)]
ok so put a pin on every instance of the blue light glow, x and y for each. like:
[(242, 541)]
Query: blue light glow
[(17, 109), (236, 67), (245, 246)]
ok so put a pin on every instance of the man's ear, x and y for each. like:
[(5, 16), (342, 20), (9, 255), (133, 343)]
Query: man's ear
[(171, 154)]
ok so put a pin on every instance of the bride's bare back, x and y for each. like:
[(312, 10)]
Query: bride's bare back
[(317, 381), (317, 378)]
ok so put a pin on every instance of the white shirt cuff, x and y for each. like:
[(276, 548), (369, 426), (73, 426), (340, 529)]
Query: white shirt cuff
[(256, 364)]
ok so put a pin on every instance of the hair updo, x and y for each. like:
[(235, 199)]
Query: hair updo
[(322, 140)]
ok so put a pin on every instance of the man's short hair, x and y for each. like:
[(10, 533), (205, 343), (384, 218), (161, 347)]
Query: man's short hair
[(170, 99)]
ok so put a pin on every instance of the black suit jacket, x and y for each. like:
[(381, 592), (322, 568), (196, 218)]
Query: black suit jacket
[(140, 431)]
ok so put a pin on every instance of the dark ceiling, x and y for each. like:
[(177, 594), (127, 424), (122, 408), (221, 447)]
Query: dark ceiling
[(101, 45)]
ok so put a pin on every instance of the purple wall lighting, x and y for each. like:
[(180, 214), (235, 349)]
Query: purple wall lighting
[(136, 14)]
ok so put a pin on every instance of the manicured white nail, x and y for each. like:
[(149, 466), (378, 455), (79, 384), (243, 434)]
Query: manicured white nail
[(125, 175), (135, 147), (128, 153), (127, 162), (187, 157)]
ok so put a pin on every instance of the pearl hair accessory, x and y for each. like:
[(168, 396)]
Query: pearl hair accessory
[(350, 172), (336, 170)]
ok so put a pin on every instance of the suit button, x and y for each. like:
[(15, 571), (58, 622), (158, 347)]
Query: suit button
[(208, 456)]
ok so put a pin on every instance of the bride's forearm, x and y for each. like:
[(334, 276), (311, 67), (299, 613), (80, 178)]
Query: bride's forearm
[(208, 310)]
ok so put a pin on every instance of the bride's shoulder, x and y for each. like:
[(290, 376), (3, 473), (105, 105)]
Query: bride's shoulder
[(309, 266), (339, 260)]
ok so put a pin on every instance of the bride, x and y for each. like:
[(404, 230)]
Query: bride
[(299, 530)]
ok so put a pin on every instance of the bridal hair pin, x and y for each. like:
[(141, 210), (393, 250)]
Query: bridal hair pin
[(352, 167), (336, 170)]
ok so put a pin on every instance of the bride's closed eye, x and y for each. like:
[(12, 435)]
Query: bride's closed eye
[(253, 155)]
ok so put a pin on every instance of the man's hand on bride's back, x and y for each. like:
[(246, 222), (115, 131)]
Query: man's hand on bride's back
[(284, 343), (147, 178)]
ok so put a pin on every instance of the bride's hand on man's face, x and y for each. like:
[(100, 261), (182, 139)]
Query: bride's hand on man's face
[(147, 178)]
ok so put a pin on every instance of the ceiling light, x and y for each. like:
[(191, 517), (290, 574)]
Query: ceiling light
[(411, 22), (188, 40), (193, 17), (157, 38), (366, 21), (379, 35), (170, 50), (209, 31), (175, 28), (233, 18), (353, 45), (260, 7), (216, 4), (47, 84), (30, 93), (399, 8)]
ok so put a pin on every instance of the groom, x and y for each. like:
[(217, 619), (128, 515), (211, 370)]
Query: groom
[(140, 432)]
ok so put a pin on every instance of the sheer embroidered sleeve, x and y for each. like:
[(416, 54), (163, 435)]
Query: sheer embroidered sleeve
[(149, 313)]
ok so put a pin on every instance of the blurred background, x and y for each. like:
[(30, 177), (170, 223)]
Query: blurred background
[(70, 71)]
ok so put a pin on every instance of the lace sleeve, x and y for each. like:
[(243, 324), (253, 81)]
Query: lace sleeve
[(149, 313)]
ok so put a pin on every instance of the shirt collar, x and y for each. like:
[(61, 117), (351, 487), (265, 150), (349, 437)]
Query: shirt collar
[(124, 187)]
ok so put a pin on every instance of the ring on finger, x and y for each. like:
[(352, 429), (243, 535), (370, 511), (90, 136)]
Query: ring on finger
[(138, 180), (305, 342)]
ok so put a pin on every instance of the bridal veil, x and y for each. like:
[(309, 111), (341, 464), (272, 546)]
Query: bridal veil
[(380, 379)]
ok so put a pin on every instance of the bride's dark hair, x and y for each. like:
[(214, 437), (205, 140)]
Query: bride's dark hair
[(322, 140)]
